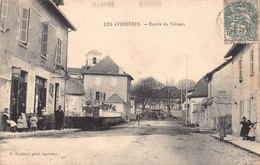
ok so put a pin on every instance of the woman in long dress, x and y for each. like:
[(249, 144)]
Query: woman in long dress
[(244, 128)]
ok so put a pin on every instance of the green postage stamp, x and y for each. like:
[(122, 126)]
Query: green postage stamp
[(240, 21)]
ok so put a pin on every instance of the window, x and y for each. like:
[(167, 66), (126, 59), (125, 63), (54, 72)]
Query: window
[(252, 63), (24, 26), (97, 95), (104, 96), (241, 109), (44, 41), (58, 51), (94, 60), (3, 14), (240, 69)]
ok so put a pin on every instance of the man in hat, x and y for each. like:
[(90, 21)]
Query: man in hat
[(59, 116)]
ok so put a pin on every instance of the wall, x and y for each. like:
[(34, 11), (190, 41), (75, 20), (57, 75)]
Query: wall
[(110, 85), (194, 104), (28, 57), (220, 94), (246, 89), (74, 105)]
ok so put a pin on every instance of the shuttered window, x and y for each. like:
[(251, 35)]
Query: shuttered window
[(240, 69), (44, 41), (252, 63), (24, 26), (3, 14), (59, 51)]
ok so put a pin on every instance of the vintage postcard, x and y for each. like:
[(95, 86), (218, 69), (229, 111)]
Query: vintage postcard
[(129, 82)]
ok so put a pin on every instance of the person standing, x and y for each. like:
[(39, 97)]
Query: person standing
[(252, 132), (222, 132), (5, 118), (20, 125), (59, 116), (244, 128), (33, 121), (138, 118)]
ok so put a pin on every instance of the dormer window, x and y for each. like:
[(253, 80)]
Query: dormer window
[(94, 60)]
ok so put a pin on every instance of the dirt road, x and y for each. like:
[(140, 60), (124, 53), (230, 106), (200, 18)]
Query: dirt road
[(152, 142)]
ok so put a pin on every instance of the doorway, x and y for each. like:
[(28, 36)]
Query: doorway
[(40, 95), (56, 96), (18, 95)]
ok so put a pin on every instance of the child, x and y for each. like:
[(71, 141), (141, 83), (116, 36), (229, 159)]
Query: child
[(33, 121), (251, 134), (20, 125), (12, 125), (222, 132)]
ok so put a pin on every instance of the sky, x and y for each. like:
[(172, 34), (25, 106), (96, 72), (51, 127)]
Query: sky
[(163, 52)]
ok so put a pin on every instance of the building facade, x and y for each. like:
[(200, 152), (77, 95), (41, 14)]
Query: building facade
[(195, 97), (33, 56), (218, 104), (246, 85), (105, 79)]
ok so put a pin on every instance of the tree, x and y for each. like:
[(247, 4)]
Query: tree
[(145, 91), (185, 84)]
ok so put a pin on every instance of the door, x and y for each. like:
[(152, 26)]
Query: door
[(56, 96), (18, 97)]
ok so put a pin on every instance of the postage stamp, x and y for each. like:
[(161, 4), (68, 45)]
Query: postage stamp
[(240, 21)]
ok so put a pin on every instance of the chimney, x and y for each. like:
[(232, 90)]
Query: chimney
[(121, 70)]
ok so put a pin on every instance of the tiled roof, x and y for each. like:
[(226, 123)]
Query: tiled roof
[(201, 90), (234, 50), (59, 14), (114, 99), (208, 75), (74, 87), (196, 85), (106, 67), (76, 71)]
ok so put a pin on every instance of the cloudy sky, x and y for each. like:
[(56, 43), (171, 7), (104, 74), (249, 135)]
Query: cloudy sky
[(158, 51)]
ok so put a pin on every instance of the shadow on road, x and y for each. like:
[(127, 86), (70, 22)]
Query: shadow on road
[(167, 127)]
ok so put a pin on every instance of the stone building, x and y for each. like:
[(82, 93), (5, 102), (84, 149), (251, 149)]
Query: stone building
[(218, 107), (33, 55), (246, 85), (105, 79)]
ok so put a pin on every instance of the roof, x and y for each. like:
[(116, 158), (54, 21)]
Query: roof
[(75, 71), (94, 52), (234, 50), (114, 99), (59, 14), (201, 90), (196, 85), (106, 67), (208, 75), (74, 87)]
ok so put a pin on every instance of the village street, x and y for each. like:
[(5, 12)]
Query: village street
[(151, 142)]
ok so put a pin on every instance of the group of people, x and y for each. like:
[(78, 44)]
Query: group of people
[(138, 119), (21, 123), (248, 129)]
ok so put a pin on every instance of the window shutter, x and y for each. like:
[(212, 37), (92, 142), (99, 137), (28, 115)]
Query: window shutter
[(252, 63), (59, 52), (24, 25), (45, 27), (3, 14)]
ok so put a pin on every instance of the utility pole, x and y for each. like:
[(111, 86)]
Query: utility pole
[(186, 95)]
